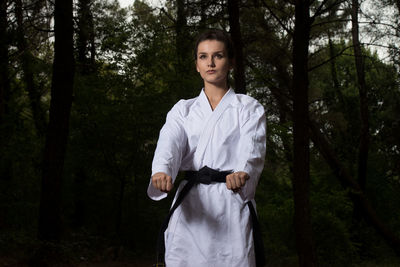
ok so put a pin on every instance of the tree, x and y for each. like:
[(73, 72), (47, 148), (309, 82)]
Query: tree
[(234, 26), (85, 38), (362, 90), (27, 61), (301, 172), (58, 129), (4, 73)]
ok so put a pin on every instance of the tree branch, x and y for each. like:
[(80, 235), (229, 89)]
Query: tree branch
[(289, 31), (330, 59)]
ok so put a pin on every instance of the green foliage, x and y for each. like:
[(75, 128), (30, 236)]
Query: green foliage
[(156, 64), (339, 107), (275, 211), (332, 219)]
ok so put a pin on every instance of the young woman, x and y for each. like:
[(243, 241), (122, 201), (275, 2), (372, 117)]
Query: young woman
[(218, 138)]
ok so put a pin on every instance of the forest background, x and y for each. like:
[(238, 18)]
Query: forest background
[(85, 86)]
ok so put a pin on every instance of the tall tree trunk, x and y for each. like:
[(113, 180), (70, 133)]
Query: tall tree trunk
[(58, 129), (85, 37), (398, 32), (182, 46), (301, 162), (5, 91), (364, 114), (92, 43), (120, 201), (203, 16), (4, 74), (335, 80), (27, 61), (180, 29), (80, 186), (234, 25), (82, 31)]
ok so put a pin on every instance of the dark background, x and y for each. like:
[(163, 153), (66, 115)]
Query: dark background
[(85, 87)]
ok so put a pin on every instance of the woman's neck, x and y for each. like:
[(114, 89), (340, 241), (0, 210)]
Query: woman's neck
[(214, 94)]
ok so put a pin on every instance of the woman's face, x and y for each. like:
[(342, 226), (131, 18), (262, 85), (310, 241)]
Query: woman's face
[(212, 62)]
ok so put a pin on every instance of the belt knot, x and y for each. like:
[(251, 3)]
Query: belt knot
[(206, 175)]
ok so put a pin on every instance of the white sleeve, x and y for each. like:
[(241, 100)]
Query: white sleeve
[(252, 146), (169, 151)]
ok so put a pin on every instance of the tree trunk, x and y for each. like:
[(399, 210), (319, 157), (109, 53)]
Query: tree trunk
[(58, 128), (179, 89), (335, 80), (301, 172), (27, 61), (85, 37), (234, 25), (82, 31), (5, 90), (120, 201), (203, 16), (180, 33), (4, 74), (364, 114), (92, 43), (398, 10), (80, 187)]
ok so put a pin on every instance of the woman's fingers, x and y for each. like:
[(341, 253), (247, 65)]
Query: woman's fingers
[(169, 184), (162, 182), (228, 182), (236, 180)]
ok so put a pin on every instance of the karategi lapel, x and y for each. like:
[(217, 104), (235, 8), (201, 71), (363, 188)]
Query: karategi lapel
[(209, 126)]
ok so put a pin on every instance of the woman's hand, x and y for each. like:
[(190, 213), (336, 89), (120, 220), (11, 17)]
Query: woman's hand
[(162, 182), (236, 180)]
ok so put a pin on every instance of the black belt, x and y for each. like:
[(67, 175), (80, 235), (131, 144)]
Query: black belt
[(206, 176)]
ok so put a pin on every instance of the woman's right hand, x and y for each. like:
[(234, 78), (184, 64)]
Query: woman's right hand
[(162, 182)]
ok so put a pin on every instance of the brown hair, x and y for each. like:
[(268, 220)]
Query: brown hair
[(218, 35)]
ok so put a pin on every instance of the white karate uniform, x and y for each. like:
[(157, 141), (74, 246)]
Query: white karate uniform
[(212, 226)]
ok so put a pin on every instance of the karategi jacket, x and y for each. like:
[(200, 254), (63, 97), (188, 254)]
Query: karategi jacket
[(212, 226)]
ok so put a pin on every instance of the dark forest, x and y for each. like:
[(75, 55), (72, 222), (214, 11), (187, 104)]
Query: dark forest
[(85, 86)]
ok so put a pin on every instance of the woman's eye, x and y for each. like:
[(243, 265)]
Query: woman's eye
[(202, 56)]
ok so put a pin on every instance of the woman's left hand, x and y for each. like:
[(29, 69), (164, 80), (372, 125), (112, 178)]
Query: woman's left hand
[(236, 180)]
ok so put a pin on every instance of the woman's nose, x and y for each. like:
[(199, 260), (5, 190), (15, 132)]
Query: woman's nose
[(211, 62)]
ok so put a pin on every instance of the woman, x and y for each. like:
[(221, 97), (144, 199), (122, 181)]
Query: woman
[(219, 139)]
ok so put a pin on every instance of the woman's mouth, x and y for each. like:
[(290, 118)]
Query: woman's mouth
[(210, 71)]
